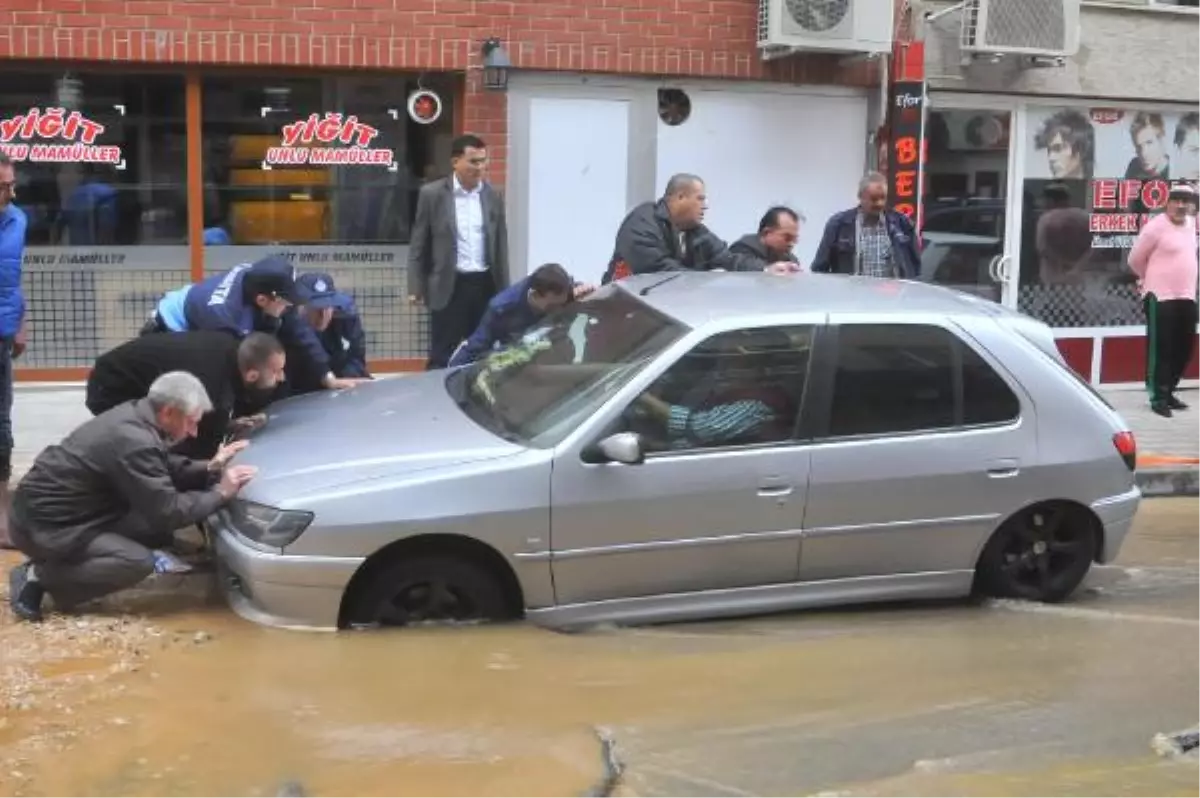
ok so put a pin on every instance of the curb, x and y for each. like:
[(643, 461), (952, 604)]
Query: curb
[(1169, 481)]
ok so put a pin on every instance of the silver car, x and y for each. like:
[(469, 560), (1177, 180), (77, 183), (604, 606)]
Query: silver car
[(691, 445)]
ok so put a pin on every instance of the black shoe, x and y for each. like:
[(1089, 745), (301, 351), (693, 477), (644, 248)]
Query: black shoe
[(1161, 408), (1175, 403), (25, 597)]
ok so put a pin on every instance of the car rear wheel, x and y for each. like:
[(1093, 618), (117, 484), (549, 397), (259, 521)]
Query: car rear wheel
[(1040, 554), (428, 589)]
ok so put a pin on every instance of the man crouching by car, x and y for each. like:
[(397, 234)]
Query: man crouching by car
[(95, 512)]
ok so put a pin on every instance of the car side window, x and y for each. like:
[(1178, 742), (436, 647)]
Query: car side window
[(896, 378), (737, 388), (987, 399)]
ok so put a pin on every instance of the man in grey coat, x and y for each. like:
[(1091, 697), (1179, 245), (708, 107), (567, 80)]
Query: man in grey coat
[(458, 253), (669, 236), (95, 512)]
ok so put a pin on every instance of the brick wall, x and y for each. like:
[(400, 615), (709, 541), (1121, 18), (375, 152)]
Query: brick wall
[(709, 38)]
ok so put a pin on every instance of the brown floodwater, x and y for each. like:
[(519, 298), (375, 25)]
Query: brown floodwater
[(164, 695)]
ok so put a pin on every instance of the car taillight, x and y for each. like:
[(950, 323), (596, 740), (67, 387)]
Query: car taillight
[(1127, 447)]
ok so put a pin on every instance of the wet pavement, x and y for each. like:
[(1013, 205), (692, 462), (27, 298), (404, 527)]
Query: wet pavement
[(163, 694)]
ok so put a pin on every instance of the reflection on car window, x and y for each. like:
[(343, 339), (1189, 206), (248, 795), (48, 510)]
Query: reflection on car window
[(737, 388), (541, 388), (904, 377)]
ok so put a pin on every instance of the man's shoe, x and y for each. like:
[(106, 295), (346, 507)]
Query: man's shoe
[(25, 597), (1161, 408), (1175, 403)]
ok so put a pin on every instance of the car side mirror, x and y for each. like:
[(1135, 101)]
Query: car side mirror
[(622, 447)]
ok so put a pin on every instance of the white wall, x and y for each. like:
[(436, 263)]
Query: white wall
[(756, 149), (583, 150), (577, 182)]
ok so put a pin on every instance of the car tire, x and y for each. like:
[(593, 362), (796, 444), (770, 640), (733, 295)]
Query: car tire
[(1040, 554), (428, 589)]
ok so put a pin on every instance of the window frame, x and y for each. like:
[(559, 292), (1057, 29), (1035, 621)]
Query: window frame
[(803, 427), (820, 390)]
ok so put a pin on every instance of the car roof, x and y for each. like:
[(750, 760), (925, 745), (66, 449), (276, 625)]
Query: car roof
[(697, 298)]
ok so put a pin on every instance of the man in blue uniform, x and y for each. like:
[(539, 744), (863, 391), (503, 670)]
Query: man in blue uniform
[(259, 296), (334, 318), (517, 308)]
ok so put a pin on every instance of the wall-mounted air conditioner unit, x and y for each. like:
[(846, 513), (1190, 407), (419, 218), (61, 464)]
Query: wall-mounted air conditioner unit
[(1041, 28), (840, 26)]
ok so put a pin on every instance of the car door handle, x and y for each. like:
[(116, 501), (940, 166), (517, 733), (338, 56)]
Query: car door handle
[(775, 490), (1004, 468)]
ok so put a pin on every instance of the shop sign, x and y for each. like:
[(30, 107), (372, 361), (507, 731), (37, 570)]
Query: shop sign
[(1115, 164), (52, 135), (331, 140), (1121, 207), (327, 257), (906, 153)]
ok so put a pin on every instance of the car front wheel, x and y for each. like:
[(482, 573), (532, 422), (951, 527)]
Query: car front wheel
[(428, 589), (1040, 554)]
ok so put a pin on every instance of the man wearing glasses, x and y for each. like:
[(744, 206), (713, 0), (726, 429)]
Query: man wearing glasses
[(12, 322)]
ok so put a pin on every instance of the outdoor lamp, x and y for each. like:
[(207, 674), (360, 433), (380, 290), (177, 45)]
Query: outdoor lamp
[(495, 65)]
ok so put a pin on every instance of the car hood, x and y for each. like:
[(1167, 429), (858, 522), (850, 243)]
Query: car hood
[(384, 428)]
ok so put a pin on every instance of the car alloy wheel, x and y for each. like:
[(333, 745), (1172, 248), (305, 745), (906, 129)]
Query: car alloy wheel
[(1041, 554)]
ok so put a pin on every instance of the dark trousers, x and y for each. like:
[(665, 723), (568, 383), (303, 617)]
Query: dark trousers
[(1170, 339), (6, 403), (454, 323), (113, 560)]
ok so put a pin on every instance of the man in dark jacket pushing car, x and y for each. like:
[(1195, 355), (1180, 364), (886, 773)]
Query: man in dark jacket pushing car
[(96, 512)]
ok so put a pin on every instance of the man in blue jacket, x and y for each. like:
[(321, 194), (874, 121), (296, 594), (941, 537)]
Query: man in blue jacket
[(335, 320), (870, 240), (517, 308), (12, 322), (259, 296)]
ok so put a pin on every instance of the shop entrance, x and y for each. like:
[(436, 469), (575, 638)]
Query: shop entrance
[(971, 221)]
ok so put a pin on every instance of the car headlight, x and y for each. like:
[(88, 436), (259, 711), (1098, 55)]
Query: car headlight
[(265, 525)]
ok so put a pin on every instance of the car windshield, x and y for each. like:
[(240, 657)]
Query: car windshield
[(542, 387)]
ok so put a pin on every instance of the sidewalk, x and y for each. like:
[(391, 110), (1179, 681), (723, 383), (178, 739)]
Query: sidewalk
[(1169, 448)]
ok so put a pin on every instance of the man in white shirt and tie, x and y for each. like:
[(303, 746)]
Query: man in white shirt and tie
[(458, 255)]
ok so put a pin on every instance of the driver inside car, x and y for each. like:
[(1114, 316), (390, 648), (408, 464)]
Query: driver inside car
[(735, 405)]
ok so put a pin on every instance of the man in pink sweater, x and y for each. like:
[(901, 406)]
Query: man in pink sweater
[(1164, 257)]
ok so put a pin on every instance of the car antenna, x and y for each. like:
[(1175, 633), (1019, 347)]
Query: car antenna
[(650, 288)]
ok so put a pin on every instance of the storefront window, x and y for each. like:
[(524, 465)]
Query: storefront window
[(101, 169), (1093, 175), (100, 157), (312, 161)]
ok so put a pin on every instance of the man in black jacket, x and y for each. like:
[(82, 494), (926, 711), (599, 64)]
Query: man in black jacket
[(778, 231), (239, 376), (95, 511), (669, 236)]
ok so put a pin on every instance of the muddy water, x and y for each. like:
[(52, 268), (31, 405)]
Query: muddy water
[(955, 699)]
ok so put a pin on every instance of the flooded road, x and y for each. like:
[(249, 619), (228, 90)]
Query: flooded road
[(1001, 699)]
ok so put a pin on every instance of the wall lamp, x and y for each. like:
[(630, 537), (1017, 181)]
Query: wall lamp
[(496, 64)]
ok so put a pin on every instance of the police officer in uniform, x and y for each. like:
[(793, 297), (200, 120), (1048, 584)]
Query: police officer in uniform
[(259, 296)]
